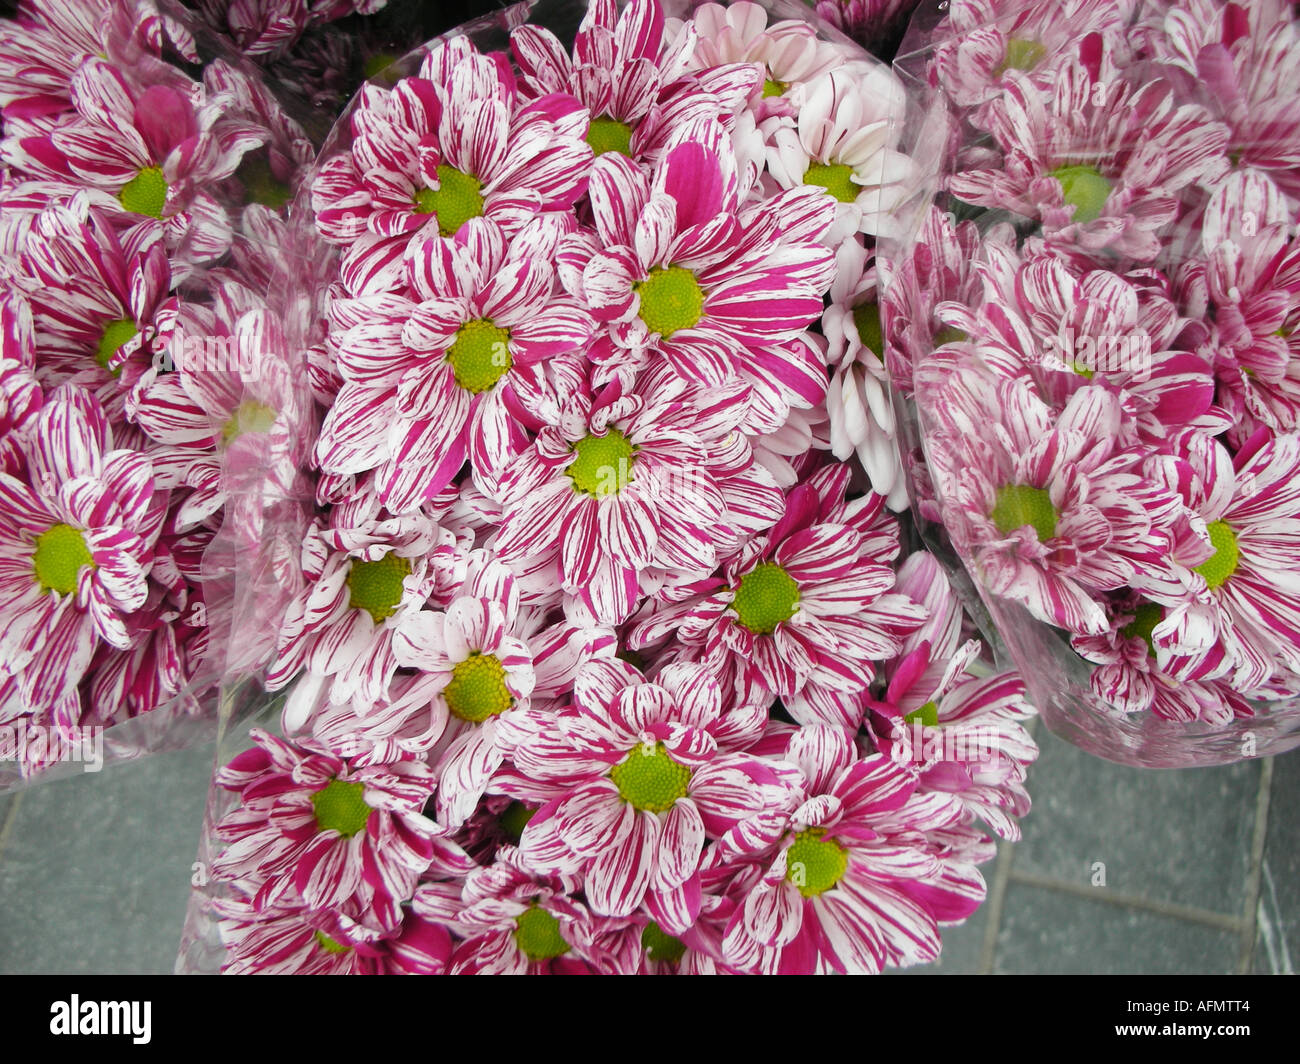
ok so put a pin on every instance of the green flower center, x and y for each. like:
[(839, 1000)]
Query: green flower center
[(376, 587), (457, 199), (650, 779), (261, 185), (767, 596), (928, 715), (514, 819), (478, 688), (537, 934), (115, 334), (376, 63), (249, 416), (814, 864), (1083, 188), (1021, 54), (866, 316), (1226, 555), (480, 355), (603, 465), (772, 87), (146, 193), (61, 551), (341, 807), (835, 178), (661, 946), (1018, 505), (329, 945), (609, 134), (1146, 616), (671, 299)]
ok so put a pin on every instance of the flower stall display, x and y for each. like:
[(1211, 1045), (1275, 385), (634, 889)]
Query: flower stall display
[(1094, 323), (606, 647)]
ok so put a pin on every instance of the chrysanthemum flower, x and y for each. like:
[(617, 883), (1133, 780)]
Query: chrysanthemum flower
[(843, 142), (802, 612), (846, 880), (360, 586), (791, 52), (437, 378), (630, 77), (1053, 510), (449, 145), (859, 399), (1097, 160), (617, 484), (515, 920), (962, 732), (685, 273), (1239, 590), (20, 394), (982, 41), (314, 829), (302, 941), (76, 543), (151, 154), (633, 778)]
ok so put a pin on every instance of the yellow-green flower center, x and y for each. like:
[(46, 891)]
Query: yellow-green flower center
[(146, 193), (1083, 188), (767, 596), (329, 945), (341, 807), (260, 183), (1018, 505), (1021, 54), (115, 334), (671, 299), (815, 864), (603, 465), (376, 587), (866, 317), (927, 715), (249, 416), (835, 178), (1226, 554), (772, 87), (661, 946), (609, 134), (1146, 615), (480, 355), (478, 688), (650, 779), (514, 819), (61, 552), (457, 199), (537, 934)]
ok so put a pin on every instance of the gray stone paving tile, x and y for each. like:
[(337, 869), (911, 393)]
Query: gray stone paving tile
[(1049, 932), (1177, 836), (962, 945), (1278, 942), (96, 873)]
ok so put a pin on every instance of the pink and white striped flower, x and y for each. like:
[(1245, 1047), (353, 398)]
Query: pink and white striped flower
[(680, 271), (452, 144), (845, 879), (431, 380), (76, 545), (618, 484), (315, 829), (801, 612), (632, 779)]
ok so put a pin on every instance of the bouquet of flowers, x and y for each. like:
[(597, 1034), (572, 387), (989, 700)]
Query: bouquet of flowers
[(603, 652), (146, 418), (1095, 321)]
